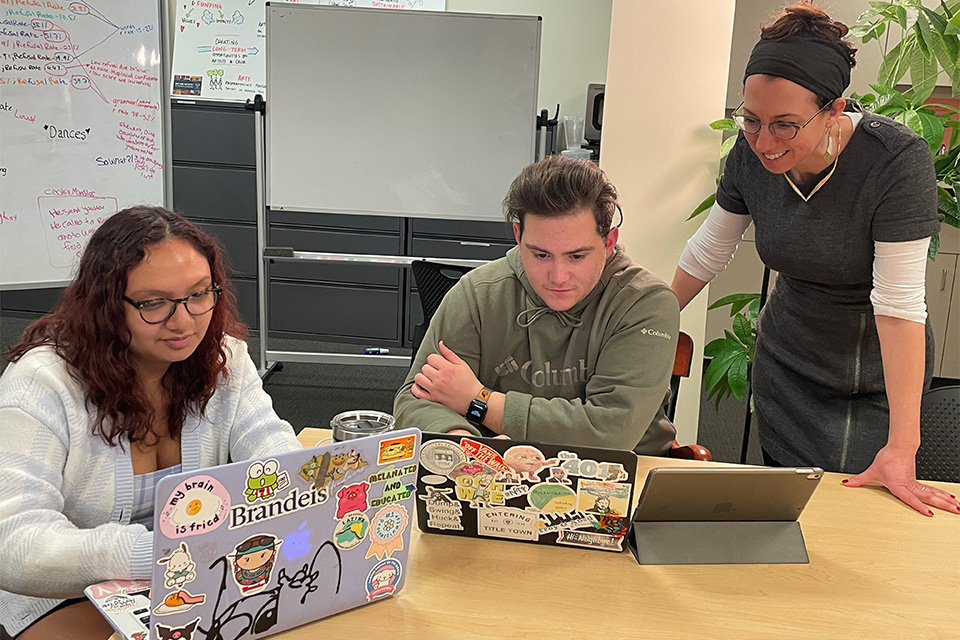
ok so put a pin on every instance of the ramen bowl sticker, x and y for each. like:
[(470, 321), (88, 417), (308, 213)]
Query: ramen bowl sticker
[(386, 531), (552, 498), (384, 579), (351, 530), (196, 505), (441, 456), (397, 449)]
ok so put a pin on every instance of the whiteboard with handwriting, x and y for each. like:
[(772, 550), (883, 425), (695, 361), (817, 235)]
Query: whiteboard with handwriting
[(219, 50), (80, 128)]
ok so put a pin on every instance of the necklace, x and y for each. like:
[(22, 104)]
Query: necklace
[(826, 177)]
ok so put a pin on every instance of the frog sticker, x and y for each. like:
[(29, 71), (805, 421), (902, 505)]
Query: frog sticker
[(263, 480)]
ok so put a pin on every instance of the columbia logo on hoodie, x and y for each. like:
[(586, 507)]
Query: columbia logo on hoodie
[(545, 376)]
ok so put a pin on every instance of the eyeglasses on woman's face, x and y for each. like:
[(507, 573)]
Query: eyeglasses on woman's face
[(778, 129), (159, 310)]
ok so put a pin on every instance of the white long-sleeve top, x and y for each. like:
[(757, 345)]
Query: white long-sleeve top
[(66, 496)]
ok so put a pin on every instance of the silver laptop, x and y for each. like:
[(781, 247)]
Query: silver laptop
[(257, 547)]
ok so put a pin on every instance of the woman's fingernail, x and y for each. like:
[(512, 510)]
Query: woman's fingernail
[(929, 513), (844, 481)]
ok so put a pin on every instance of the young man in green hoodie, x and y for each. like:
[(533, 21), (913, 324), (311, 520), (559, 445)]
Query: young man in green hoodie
[(563, 340)]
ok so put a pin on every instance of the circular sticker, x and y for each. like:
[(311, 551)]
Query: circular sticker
[(552, 498), (384, 578), (386, 529), (352, 530), (197, 505), (441, 456)]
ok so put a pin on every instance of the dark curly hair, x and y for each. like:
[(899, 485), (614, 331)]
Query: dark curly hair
[(805, 19), (88, 328)]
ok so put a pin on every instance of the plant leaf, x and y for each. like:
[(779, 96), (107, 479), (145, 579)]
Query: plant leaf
[(953, 26), (703, 206), (727, 146), (724, 124), (742, 329), (737, 377), (715, 348), (894, 64), (743, 298), (717, 368), (934, 249), (932, 128), (923, 35), (754, 311), (923, 76)]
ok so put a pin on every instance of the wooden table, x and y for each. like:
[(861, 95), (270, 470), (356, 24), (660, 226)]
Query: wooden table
[(877, 570)]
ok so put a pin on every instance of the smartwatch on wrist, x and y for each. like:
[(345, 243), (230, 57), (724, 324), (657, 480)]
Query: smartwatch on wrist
[(477, 410)]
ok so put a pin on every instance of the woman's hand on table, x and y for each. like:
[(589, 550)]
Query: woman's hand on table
[(898, 473)]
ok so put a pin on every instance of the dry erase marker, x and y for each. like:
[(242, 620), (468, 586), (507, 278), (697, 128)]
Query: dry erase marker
[(373, 351)]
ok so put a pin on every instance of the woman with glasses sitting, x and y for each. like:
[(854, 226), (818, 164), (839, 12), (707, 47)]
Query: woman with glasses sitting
[(844, 204), (140, 372)]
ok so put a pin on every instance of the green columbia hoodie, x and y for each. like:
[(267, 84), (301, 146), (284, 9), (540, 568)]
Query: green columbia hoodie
[(594, 375)]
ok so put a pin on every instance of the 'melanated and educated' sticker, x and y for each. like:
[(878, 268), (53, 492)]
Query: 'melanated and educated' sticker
[(196, 505), (441, 456)]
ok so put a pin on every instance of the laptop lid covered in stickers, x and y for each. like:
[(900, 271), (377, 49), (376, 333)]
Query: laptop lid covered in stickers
[(253, 548), (528, 491)]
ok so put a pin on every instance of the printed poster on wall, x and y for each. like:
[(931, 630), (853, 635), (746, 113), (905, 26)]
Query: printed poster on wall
[(80, 127), (219, 45)]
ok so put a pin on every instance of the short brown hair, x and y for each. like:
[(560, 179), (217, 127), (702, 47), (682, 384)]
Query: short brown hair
[(557, 186)]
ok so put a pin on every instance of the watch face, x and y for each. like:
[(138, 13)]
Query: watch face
[(475, 413)]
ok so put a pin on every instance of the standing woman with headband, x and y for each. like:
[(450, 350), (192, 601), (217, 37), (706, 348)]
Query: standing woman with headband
[(844, 205)]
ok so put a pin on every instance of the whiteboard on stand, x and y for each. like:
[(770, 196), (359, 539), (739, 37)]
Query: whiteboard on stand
[(81, 129), (400, 113)]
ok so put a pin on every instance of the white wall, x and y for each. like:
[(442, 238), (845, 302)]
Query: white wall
[(575, 36), (666, 78)]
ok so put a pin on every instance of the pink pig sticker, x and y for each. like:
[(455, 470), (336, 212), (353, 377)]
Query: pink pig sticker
[(352, 498)]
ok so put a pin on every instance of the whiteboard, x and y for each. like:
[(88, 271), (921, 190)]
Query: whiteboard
[(80, 128), (218, 50), (402, 113)]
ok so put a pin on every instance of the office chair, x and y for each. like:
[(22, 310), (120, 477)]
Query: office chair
[(681, 369), (433, 280), (939, 455)]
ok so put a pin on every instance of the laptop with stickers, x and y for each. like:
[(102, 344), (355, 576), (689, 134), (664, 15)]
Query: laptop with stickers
[(528, 491), (256, 547)]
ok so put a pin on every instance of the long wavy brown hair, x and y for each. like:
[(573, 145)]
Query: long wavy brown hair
[(88, 329)]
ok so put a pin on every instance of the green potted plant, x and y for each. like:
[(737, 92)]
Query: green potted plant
[(927, 44)]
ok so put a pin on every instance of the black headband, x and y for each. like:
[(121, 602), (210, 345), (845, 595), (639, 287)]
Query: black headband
[(813, 63)]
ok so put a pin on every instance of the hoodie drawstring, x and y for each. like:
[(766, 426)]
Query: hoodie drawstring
[(566, 319)]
